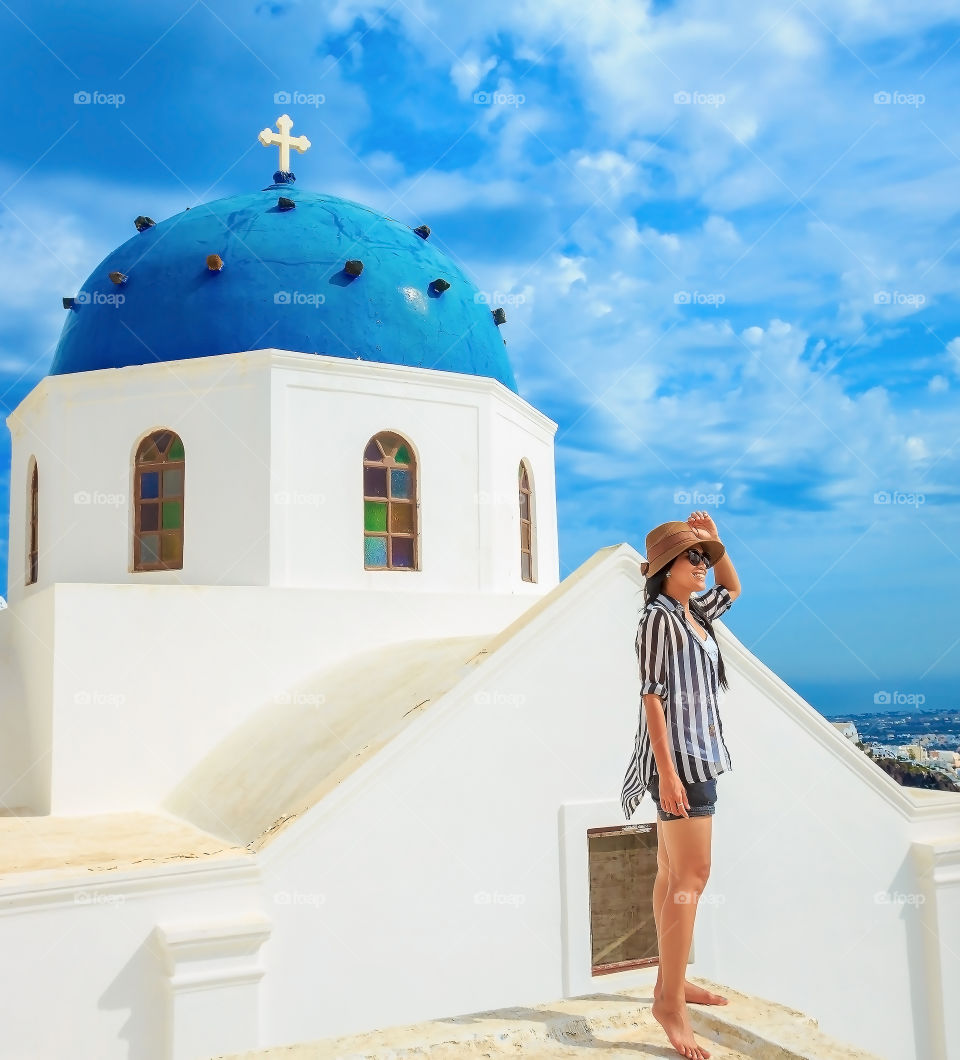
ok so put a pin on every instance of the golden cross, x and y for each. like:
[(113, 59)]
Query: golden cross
[(284, 141)]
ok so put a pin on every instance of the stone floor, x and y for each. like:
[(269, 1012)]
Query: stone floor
[(608, 1025)]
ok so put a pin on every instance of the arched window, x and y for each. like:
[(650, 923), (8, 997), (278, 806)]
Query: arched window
[(158, 493), (389, 504), (526, 523), (33, 526)]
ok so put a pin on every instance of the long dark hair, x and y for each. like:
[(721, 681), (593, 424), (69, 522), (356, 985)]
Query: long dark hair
[(656, 584)]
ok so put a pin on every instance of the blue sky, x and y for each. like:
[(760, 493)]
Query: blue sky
[(727, 242)]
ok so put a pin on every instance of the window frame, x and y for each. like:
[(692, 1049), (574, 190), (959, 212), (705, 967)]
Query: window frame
[(525, 489), (32, 572), (141, 467), (389, 442)]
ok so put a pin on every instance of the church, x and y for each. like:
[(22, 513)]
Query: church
[(303, 735)]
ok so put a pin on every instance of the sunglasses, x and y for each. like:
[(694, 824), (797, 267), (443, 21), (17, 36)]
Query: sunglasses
[(697, 557)]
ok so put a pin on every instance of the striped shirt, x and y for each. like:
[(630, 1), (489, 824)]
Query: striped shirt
[(676, 665)]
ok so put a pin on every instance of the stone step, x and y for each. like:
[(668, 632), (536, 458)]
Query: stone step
[(748, 1028)]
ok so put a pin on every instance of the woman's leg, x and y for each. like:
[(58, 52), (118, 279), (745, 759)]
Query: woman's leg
[(692, 992), (687, 849), (660, 890)]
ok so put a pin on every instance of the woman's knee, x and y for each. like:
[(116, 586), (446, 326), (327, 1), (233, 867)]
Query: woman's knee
[(689, 877)]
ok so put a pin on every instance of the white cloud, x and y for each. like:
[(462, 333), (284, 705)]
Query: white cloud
[(431, 194), (719, 230), (386, 166), (566, 272), (953, 349), (468, 72), (916, 448), (796, 38), (609, 174)]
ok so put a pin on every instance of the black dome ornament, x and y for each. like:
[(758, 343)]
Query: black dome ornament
[(284, 141)]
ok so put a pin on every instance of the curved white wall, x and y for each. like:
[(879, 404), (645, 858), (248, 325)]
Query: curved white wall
[(273, 480)]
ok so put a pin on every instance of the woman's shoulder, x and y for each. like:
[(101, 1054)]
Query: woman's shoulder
[(659, 605), (654, 614)]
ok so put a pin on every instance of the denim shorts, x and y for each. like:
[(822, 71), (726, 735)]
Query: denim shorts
[(701, 795)]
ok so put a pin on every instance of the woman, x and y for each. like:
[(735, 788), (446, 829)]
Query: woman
[(679, 749)]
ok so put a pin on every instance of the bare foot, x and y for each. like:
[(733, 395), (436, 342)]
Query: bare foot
[(676, 1025), (699, 995)]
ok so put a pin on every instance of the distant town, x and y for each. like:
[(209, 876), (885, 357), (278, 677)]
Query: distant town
[(918, 748)]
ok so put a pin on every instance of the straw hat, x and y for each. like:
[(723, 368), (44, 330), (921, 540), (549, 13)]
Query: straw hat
[(668, 540)]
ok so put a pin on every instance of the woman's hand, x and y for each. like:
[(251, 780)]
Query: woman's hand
[(702, 521), (673, 795)]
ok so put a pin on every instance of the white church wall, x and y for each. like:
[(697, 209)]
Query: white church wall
[(509, 442), (94, 949), (813, 895), (433, 876), (85, 428), (27, 656), (468, 434), (431, 881), (273, 477), (468, 799), (39, 438), (148, 679)]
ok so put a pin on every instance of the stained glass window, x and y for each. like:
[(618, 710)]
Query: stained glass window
[(158, 491), (526, 524), (33, 554), (389, 504)]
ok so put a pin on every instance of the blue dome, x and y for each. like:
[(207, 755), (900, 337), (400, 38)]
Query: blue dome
[(282, 285)]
